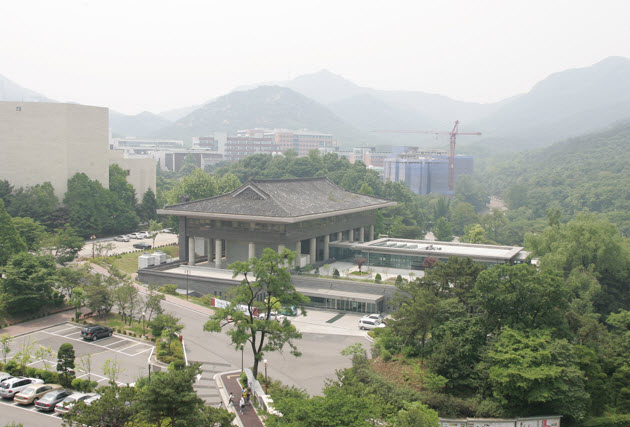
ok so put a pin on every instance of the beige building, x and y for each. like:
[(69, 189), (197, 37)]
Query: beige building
[(41, 141)]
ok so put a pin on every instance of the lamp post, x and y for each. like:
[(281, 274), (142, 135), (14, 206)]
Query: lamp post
[(242, 347), (92, 237), (144, 334), (187, 274), (266, 378)]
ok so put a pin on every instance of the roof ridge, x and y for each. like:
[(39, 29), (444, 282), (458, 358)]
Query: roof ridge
[(311, 178), (274, 201)]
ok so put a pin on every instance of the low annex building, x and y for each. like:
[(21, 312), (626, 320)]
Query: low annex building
[(304, 215)]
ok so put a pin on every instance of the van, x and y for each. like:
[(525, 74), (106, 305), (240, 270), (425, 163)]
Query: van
[(367, 323)]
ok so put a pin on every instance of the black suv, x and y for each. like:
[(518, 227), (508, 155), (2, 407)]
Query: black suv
[(96, 331)]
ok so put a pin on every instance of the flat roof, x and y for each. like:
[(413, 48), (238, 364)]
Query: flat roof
[(436, 249), (334, 293)]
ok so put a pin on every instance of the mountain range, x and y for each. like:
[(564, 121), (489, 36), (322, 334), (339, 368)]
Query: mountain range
[(565, 104)]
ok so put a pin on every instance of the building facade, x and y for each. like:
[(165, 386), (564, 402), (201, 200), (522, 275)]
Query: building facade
[(51, 142)]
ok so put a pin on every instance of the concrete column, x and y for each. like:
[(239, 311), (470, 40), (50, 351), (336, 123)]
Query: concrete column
[(371, 233), (191, 251), (281, 247), (218, 249), (361, 234), (351, 235), (313, 250), (298, 250), (251, 252), (326, 247), (340, 236), (206, 248), (210, 250)]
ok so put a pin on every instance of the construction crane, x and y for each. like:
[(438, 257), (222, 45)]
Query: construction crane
[(451, 155)]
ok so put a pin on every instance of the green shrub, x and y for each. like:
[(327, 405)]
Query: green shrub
[(621, 420), (378, 278), (243, 379), (12, 367), (336, 273), (178, 364), (308, 267), (169, 289), (386, 355), (31, 372)]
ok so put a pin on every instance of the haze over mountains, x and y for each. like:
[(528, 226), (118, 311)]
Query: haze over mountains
[(565, 104)]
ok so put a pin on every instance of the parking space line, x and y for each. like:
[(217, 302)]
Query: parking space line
[(115, 342), (71, 327), (90, 343), (123, 349), (140, 352)]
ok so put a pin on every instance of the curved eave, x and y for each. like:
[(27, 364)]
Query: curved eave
[(271, 219)]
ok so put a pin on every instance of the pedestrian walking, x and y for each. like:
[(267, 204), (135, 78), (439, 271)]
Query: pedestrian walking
[(231, 401), (242, 404), (248, 396)]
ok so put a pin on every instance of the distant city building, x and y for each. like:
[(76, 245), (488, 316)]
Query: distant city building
[(425, 171), (144, 146), (42, 142)]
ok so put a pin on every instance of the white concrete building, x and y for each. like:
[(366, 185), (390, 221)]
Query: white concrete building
[(41, 141)]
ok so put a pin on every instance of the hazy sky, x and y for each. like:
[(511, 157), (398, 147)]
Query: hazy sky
[(156, 55)]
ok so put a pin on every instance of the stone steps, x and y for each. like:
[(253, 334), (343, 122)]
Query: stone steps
[(206, 387)]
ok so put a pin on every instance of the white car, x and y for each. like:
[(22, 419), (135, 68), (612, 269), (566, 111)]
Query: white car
[(366, 323), (135, 236), (9, 388), (374, 316), (67, 404), (94, 398), (121, 238)]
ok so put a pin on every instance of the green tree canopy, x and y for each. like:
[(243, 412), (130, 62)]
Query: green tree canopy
[(261, 277), (28, 283), (10, 240)]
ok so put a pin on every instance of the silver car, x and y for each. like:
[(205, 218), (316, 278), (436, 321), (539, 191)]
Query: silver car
[(9, 388), (121, 238)]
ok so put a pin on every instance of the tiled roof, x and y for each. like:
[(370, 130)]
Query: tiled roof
[(282, 198)]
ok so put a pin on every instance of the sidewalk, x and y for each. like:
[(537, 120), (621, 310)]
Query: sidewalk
[(37, 324), (249, 417)]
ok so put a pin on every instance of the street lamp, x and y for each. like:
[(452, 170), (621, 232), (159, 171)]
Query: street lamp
[(187, 274), (144, 334), (266, 378), (242, 347), (92, 237)]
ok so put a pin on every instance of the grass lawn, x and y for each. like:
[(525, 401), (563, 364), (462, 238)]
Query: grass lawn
[(114, 321), (129, 262)]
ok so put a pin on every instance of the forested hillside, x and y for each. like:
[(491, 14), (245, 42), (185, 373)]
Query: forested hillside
[(591, 172)]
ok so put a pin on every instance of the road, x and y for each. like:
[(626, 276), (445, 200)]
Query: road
[(320, 352)]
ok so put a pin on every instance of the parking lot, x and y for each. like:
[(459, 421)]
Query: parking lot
[(122, 247), (131, 355)]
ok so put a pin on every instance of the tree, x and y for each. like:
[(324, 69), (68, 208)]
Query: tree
[(443, 230), (475, 234), (78, 299), (264, 277), (462, 215), (10, 240), (43, 354), (415, 414), (366, 189), (154, 229), (37, 202), (31, 231), (28, 283), (88, 205), (521, 297), (197, 185), (85, 365), (127, 299), (115, 408), (166, 325), (147, 210), (169, 397), (65, 363), (25, 356), (153, 301), (112, 370), (359, 261), (533, 374), (228, 182), (5, 346), (64, 244), (98, 296), (6, 192)]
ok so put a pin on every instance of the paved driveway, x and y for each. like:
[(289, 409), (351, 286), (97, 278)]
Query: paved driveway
[(130, 354)]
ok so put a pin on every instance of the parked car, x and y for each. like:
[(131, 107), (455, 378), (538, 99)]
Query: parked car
[(34, 392), (166, 230), (5, 376), (365, 323), (263, 315), (142, 245), (9, 388), (374, 316), (67, 404), (144, 234), (94, 398), (96, 331), (121, 238), (136, 236), (49, 400)]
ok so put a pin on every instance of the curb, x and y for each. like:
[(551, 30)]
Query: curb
[(40, 329)]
